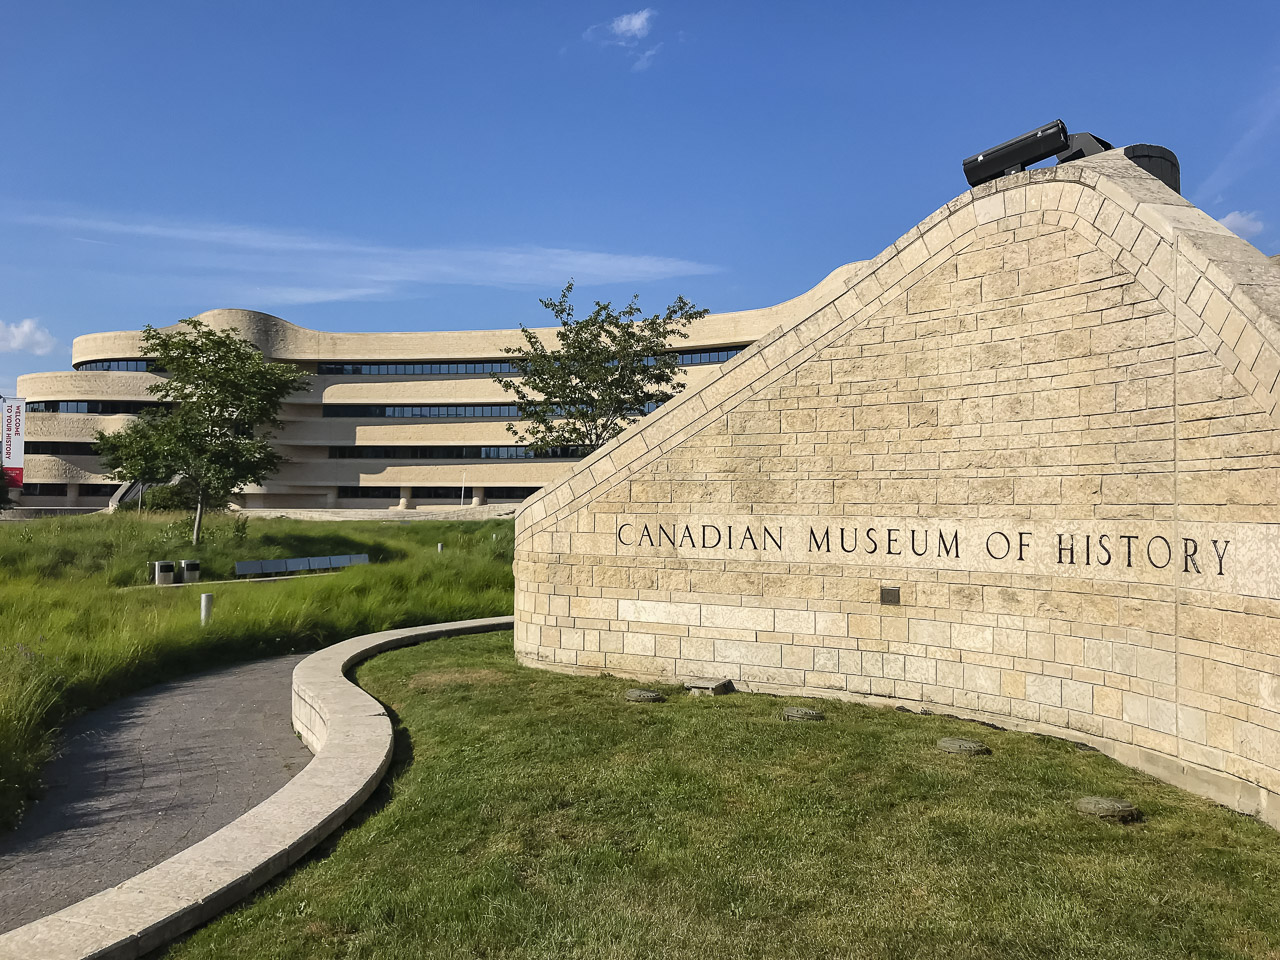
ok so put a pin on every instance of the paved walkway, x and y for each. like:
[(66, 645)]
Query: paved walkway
[(147, 776)]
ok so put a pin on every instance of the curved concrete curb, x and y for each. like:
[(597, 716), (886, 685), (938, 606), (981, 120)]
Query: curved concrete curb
[(350, 734)]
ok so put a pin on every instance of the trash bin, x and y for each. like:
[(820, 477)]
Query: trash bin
[(190, 571), (164, 572)]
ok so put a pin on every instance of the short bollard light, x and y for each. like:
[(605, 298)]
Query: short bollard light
[(439, 548), (206, 608)]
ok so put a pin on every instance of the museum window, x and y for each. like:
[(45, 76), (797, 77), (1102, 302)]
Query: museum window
[(428, 369), (44, 489), (369, 493), (509, 493), (434, 411), (104, 408), (131, 366), (62, 448), (458, 452), (98, 489)]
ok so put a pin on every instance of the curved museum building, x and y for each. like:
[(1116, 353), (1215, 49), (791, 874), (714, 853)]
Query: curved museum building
[(390, 420)]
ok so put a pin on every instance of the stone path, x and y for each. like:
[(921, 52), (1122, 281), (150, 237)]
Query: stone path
[(147, 776)]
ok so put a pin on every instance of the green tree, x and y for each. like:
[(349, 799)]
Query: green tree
[(220, 397), (606, 371)]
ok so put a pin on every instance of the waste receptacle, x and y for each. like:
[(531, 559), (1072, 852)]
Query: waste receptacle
[(164, 572), (190, 571)]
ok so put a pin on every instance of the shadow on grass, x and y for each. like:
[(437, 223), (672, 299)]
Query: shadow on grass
[(326, 545)]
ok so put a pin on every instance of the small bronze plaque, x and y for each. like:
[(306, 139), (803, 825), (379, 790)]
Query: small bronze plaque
[(891, 595)]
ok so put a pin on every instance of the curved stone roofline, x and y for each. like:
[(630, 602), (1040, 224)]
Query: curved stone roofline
[(284, 340), (350, 734), (1222, 289)]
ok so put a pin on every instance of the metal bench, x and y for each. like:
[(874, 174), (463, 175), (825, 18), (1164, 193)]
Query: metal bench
[(251, 568)]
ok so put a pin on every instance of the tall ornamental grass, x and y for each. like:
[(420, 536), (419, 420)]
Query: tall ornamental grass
[(79, 628)]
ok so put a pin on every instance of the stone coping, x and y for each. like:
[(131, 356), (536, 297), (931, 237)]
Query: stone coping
[(350, 734)]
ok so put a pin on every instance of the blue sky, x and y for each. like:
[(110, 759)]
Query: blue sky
[(393, 166)]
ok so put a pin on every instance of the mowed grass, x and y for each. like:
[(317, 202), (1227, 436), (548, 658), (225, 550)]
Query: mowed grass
[(75, 637), (535, 815)]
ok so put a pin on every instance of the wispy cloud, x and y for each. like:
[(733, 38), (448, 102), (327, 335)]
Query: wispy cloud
[(645, 60), (1243, 223), (265, 266), (26, 336), (1247, 150), (627, 31)]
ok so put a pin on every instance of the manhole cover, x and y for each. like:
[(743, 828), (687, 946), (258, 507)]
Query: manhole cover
[(1109, 808), (644, 696), (962, 745), (802, 713)]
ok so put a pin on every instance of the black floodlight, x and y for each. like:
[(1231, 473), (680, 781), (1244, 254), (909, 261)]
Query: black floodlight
[(1014, 156)]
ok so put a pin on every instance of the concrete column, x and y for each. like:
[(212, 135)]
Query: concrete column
[(73, 494), (331, 498), (477, 497), (406, 496)]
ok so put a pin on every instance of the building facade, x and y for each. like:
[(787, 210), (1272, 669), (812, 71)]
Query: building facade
[(390, 421)]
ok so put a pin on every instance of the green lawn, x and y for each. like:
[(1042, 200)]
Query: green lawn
[(534, 815), (74, 637)]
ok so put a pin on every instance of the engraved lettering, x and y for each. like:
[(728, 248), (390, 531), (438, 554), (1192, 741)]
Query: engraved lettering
[(1004, 550), (1168, 553)]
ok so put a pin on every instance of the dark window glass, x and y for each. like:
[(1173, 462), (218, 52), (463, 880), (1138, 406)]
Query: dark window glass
[(44, 489), (100, 407), (98, 489), (460, 452), (434, 411), (61, 448), (509, 493), (369, 493), (695, 358), (133, 366), (452, 494), (350, 368)]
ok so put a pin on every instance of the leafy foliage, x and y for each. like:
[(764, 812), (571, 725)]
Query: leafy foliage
[(607, 370), (221, 396)]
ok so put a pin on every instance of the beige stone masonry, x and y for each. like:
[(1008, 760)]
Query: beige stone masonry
[(1047, 415)]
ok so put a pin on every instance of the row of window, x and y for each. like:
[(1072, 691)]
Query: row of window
[(101, 407), (133, 366), (60, 489), (441, 411), (694, 358), (436, 493), (414, 369), (72, 448), (61, 448), (688, 358), (506, 452)]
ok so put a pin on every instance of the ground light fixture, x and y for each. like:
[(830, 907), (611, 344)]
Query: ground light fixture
[(963, 746), (1109, 808), (644, 696), (803, 714)]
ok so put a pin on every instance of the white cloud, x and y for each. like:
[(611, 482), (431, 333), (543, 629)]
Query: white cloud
[(633, 26), (260, 266), (1243, 223), (627, 31), (26, 336)]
